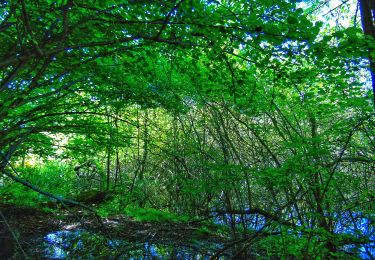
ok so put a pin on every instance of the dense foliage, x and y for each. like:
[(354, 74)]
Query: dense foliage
[(254, 111)]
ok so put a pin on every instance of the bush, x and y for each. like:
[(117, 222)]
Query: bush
[(51, 177)]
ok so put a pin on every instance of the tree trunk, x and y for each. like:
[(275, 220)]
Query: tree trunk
[(108, 167), (145, 146), (367, 8), (117, 169), (109, 154)]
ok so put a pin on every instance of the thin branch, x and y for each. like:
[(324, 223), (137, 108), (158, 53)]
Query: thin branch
[(59, 199), (13, 235), (258, 211), (166, 20)]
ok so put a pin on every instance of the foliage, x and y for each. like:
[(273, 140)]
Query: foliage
[(53, 177), (111, 207), (254, 109), (153, 215)]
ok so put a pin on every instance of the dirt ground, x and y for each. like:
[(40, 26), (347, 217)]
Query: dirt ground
[(23, 230)]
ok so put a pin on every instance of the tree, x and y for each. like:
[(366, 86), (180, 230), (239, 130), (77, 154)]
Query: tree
[(236, 107), (367, 8)]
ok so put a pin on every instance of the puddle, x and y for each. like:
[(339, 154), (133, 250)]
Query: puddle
[(356, 224), (80, 244)]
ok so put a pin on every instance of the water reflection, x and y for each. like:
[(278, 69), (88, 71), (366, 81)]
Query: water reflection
[(352, 223), (80, 244), (360, 226), (250, 221), (60, 243)]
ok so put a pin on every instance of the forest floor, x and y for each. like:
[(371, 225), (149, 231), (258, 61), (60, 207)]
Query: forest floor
[(23, 227), (31, 226)]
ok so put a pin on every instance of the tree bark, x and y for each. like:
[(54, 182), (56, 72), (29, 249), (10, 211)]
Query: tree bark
[(367, 9)]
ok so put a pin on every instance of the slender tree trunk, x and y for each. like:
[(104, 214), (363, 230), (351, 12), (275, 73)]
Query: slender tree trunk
[(367, 8), (117, 169), (145, 146), (23, 160), (316, 184), (176, 164), (109, 155), (226, 161), (108, 167)]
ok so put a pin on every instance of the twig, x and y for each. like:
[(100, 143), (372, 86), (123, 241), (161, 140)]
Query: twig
[(166, 20), (13, 235)]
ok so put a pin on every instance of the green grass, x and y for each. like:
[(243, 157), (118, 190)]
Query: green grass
[(154, 215)]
